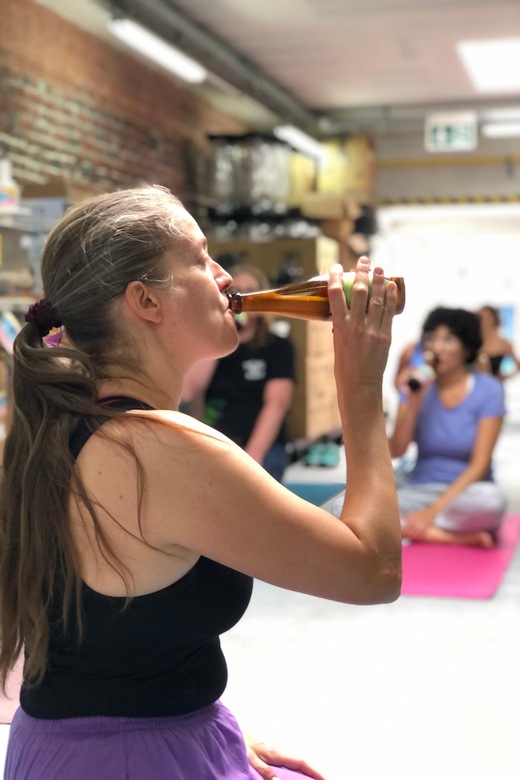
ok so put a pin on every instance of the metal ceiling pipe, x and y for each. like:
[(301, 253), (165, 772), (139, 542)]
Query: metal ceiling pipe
[(164, 18), (367, 119)]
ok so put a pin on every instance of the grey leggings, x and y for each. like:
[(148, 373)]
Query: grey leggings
[(479, 508)]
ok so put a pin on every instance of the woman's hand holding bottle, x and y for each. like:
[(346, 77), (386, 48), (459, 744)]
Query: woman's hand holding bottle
[(362, 334)]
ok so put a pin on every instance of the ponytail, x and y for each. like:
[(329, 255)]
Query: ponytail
[(38, 557), (91, 256)]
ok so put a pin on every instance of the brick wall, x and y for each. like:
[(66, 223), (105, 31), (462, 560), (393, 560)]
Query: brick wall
[(73, 106)]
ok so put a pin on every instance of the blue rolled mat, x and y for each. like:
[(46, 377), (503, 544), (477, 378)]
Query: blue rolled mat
[(315, 493)]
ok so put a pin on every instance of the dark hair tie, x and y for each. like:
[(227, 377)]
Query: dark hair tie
[(42, 317)]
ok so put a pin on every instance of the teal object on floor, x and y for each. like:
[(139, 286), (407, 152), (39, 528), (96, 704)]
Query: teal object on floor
[(322, 454), (315, 494), (313, 455)]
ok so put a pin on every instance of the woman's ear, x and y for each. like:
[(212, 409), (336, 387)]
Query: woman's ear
[(144, 302)]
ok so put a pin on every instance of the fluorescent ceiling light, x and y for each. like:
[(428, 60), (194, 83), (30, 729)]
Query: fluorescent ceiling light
[(301, 141), (501, 130), (158, 50), (493, 66)]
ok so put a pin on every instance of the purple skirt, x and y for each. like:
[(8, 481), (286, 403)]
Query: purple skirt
[(204, 745)]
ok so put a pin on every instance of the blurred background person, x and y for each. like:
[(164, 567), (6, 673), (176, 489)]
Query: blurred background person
[(494, 346), (247, 395), (455, 418)]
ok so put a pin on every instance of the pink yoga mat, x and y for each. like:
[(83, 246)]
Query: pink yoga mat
[(456, 571)]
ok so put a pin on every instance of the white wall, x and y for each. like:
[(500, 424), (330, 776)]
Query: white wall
[(460, 256)]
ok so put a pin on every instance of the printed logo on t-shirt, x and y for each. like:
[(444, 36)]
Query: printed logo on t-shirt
[(254, 370)]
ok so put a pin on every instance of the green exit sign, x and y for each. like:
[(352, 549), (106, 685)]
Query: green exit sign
[(451, 132)]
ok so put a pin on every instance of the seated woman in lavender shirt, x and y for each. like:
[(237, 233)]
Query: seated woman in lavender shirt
[(455, 419)]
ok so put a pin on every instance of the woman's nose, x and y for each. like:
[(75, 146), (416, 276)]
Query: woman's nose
[(222, 277)]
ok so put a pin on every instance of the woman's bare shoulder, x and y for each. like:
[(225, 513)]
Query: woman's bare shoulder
[(171, 426), (158, 435)]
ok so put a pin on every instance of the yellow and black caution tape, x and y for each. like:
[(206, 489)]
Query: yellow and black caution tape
[(448, 200)]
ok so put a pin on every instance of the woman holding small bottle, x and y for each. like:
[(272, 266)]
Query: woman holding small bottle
[(455, 417), (131, 532)]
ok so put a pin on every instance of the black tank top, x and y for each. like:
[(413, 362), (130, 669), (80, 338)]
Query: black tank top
[(495, 362), (160, 656)]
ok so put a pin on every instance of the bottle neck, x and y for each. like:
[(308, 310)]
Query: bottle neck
[(235, 302)]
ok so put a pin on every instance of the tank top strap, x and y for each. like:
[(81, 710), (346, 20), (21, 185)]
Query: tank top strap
[(87, 425)]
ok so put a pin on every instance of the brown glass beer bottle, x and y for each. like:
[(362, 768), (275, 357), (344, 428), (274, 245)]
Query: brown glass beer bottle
[(303, 300)]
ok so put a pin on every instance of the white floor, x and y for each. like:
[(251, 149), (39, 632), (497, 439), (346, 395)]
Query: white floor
[(422, 689)]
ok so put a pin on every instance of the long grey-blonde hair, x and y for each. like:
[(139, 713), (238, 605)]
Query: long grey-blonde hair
[(92, 254)]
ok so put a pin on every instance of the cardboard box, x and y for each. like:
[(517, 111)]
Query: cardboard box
[(302, 176), (339, 229), (314, 411), (358, 243), (320, 205), (349, 169), (359, 173)]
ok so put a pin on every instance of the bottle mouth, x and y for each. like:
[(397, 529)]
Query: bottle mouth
[(431, 358), (234, 302)]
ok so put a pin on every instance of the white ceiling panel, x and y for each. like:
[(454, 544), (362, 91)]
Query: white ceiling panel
[(341, 53)]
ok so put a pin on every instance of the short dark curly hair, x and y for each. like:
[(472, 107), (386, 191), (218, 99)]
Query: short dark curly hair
[(462, 323)]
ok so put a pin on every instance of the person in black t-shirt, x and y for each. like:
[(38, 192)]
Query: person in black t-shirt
[(248, 393)]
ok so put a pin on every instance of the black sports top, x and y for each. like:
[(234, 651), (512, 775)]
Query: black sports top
[(160, 656), (495, 362)]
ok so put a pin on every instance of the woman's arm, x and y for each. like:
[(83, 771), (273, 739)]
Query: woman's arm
[(205, 494), (515, 358), (277, 399)]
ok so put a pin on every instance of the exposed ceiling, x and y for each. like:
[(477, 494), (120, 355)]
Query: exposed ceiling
[(344, 61), (335, 54)]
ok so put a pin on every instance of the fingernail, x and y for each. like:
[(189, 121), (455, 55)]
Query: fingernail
[(338, 268), (364, 259)]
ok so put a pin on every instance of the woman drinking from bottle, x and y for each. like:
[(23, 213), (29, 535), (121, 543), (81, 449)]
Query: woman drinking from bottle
[(130, 533), (455, 418)]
